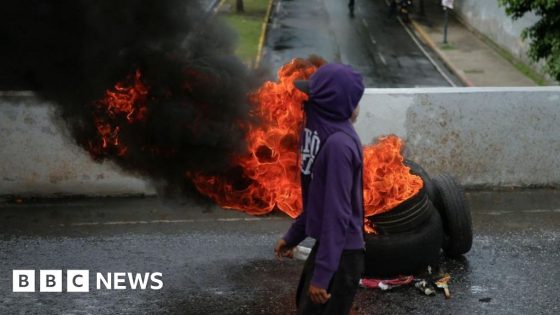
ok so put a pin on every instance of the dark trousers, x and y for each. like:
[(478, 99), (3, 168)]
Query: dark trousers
[(343, 285)]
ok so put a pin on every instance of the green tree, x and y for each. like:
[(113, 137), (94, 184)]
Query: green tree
[(544, 34)]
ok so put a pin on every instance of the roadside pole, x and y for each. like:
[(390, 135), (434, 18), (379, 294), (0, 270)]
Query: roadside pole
[(445, 24), (447, 5)]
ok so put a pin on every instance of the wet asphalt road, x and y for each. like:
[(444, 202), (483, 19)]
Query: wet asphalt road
[(379, 47), (220, 262)]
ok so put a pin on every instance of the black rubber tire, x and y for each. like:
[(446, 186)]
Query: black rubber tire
[(456, 215), (404, 220), (404, 253), (412, 212), (416, 169)]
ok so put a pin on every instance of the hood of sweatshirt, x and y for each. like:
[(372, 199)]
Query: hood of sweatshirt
[(334, 90), (334, 93)]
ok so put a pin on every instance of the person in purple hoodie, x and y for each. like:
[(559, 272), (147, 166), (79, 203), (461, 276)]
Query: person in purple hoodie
[(331, 181)]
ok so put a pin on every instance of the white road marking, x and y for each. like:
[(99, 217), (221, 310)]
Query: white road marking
[(228, 219), (475, 289), (382, 58), (438, 68), (174, 221), (501, 212), (371, 38)]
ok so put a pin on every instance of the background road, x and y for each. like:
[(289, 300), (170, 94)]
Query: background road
[(379, 47), (221, 262)]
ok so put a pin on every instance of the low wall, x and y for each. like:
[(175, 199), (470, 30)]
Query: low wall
[(37, 159), (487, 137), (490, 137)]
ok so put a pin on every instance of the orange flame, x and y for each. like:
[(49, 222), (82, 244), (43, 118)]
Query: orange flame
[(387, 181), (267, 177), (271, 166), (124, 102)]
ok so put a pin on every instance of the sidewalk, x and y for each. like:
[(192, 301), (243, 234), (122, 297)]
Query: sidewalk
[(471, 59)]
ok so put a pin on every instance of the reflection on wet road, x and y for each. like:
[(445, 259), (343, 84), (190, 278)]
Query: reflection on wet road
[(221, 262)]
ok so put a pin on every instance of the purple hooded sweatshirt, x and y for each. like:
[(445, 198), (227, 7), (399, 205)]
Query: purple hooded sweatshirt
[(331, 170)]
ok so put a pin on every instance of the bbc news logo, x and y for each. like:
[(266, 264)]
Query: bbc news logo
[(78, 281)]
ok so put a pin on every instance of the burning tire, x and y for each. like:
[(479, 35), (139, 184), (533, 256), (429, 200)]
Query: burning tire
[(455, 214), (405, 217), (404, 253), (416, 169), (411, 213)]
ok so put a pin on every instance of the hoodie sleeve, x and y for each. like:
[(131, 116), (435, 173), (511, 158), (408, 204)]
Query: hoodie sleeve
[(335, 166), (296, 233)]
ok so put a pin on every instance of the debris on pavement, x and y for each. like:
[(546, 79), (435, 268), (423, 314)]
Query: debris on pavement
[(385, 284), (442, 284), (424, 287), (301, 252)]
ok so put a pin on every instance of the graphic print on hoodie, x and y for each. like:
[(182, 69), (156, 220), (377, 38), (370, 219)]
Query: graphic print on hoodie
[(331, 170), (309, 149)]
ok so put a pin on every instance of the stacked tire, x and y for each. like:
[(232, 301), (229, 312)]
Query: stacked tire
[(410, 236), (455, 214)]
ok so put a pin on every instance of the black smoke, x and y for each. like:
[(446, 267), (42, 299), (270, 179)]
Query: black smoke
[(71, 51)]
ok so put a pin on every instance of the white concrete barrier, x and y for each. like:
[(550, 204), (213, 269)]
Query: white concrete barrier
[(38, 159), (485, 136)]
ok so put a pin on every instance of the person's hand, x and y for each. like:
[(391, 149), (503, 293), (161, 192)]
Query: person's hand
[(318, 295), (281, 250)]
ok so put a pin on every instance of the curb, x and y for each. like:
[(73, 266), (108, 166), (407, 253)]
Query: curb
[(216, 6), (264, 30), (428, 41)]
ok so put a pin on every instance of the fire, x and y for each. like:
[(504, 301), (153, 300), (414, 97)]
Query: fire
[(271, 166), (267, 176), (387, 181), (125, 103)]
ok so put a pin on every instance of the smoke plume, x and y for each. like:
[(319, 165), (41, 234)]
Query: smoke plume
[(71, 52)]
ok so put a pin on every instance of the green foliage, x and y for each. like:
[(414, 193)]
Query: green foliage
[(545, 34), (248, 26)]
